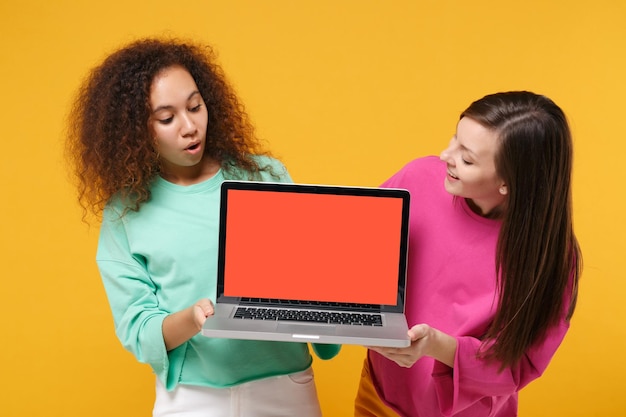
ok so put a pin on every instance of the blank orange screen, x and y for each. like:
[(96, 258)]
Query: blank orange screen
[(319, 247)]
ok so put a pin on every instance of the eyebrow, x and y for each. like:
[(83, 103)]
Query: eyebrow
[(465, 148), (169, 107), (472, 153)]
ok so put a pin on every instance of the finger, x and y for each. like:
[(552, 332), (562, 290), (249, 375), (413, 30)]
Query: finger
[(417, 332), (202, 312), (207, 306), (375, 349), (208, 309), (389, 352), (404, 361)]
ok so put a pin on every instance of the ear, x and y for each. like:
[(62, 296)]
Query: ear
[(503, 189)]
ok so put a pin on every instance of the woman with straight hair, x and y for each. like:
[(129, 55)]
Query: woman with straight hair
[(493, 265)]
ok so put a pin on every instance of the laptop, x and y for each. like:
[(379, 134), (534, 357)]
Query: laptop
[(311, 263)]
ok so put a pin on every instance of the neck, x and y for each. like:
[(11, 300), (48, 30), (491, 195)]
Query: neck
[(488, 212), (206, 169)]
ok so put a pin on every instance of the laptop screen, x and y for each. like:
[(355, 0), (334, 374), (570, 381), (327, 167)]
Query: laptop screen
[(315, 243)]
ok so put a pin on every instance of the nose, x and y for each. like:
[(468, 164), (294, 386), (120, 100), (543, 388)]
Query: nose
[(446, 154), (188, 125)]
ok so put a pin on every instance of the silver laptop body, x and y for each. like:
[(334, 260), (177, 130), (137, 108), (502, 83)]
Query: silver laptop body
[(311, 263)]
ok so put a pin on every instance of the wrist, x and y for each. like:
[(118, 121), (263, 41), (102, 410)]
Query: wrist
[(442, 347)]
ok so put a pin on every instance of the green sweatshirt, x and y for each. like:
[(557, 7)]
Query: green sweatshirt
[(163, 259)]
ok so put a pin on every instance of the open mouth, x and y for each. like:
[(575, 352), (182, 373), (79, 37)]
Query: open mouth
[(193, 147), (452, 175)]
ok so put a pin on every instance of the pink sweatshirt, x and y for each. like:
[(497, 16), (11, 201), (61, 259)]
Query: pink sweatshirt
[(451, 287)]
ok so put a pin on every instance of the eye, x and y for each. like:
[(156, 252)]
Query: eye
[(195, 109), (467, 162), (166, 121)]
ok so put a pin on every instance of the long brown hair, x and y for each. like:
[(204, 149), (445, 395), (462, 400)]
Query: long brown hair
[(109, 144), (537, 251)]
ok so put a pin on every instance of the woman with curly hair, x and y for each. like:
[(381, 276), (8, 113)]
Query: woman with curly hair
[(493, 265), (154, 130)]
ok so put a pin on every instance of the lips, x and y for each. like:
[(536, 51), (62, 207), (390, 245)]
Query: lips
[(193, 146), (452, 175)]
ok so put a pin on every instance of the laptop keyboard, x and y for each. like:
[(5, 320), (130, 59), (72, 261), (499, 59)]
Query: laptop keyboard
[(311, 316)]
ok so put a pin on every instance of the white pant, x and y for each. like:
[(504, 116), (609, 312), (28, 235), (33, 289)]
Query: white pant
[(288, 396)]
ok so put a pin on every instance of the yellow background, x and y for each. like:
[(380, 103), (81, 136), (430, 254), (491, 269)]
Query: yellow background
[(345, 92)]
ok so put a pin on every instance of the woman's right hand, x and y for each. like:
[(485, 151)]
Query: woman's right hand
[(183, 325), (201, 310)]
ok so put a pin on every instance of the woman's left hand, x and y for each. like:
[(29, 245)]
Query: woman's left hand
[(425, 341)]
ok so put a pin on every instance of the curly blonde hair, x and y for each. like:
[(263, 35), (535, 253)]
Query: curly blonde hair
[(109, 145)]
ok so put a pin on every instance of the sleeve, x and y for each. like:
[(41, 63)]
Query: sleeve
[(132, 296), (473, 379), (326, 351)]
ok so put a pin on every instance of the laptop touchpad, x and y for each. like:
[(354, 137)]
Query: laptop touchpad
[(306, 329)]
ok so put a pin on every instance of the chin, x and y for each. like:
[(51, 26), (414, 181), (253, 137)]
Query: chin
[(450, 188)]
